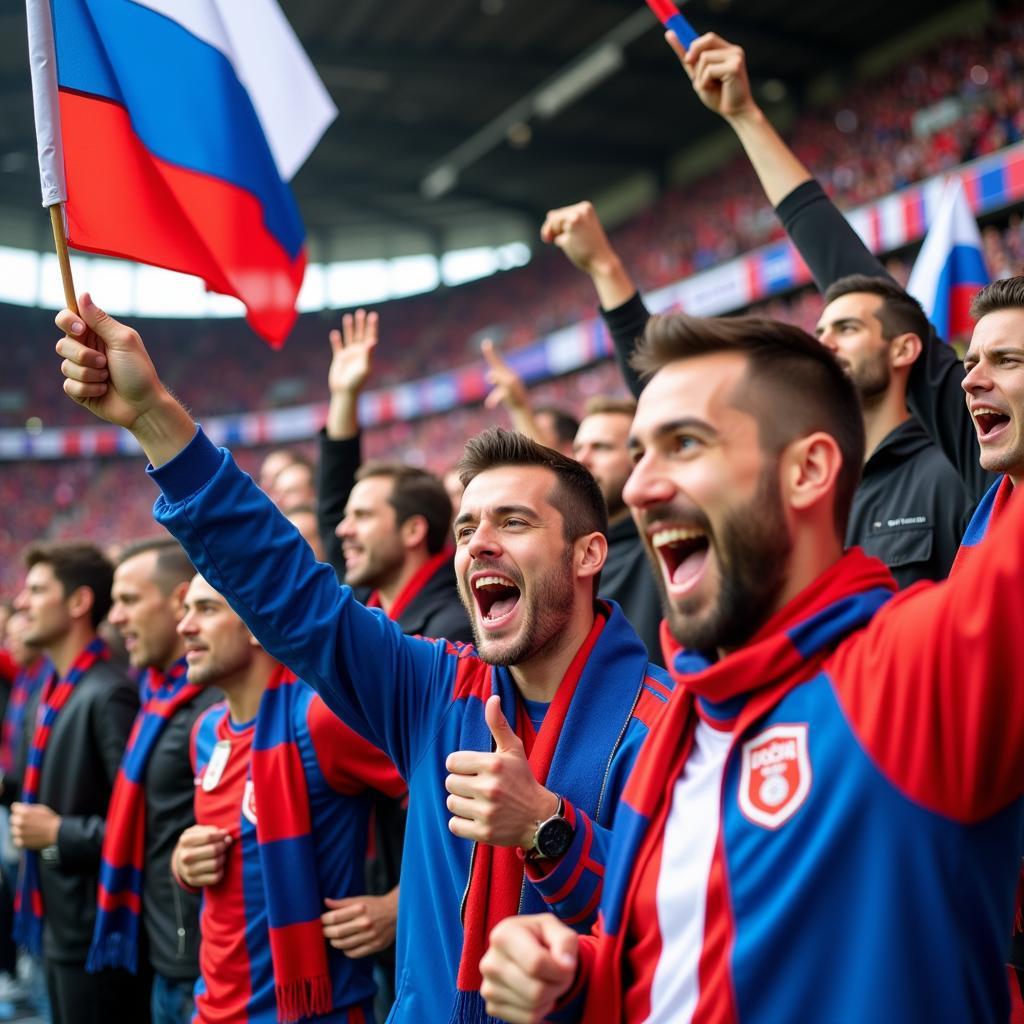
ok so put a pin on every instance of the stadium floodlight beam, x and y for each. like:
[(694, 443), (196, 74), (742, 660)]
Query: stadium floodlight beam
[(565, 87), (578, 79)]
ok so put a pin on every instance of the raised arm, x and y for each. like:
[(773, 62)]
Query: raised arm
[(340, 446), (388, 687), (579, 233)]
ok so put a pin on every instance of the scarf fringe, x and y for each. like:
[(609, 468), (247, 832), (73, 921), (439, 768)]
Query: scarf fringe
[(117, 950), (304, 997), (28, 933), (469, 1008)]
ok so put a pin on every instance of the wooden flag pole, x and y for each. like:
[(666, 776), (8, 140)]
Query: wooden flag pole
[(61, 244)]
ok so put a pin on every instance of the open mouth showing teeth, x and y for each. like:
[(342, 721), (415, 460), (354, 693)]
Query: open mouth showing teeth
[(989, 420), (496, 596), (683, 553)]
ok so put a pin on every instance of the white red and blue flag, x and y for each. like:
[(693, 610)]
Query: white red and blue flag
[(950, 269), (170, 129)]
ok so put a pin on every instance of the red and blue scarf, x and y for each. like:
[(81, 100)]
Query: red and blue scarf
[(788, 650), (115, 938), (26, 683), (284, 833), (28, 899), (580, 732)]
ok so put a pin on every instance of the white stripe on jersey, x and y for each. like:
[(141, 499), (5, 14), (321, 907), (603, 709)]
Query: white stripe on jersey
[(691, 832)]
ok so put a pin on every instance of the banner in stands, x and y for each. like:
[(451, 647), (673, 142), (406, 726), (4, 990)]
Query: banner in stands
[(887, 224)]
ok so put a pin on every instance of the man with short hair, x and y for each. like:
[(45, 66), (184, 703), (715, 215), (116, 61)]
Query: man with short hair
[(532, 733), (822, 735), (76, 730), (152, 801), (600, 445), (282, 814)]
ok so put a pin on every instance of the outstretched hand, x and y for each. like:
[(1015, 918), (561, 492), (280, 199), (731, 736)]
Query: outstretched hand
[(718, 70), (352, 349), (494, 797), (106, 367)]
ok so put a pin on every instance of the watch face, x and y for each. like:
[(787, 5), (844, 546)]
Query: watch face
[(554, 837)]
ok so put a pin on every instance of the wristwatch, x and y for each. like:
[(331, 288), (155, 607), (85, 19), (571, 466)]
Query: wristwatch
[(553, 836)]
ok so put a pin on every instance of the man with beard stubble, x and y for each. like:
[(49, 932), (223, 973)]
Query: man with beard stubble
[(532, 734), (830, 806)]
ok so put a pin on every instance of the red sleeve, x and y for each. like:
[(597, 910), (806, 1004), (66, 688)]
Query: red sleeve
[(934, 687), (349, 763)]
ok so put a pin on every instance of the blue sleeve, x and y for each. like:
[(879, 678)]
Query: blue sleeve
[(390, 688)]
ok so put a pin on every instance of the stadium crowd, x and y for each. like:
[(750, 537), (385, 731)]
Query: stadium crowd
[(719, 640)]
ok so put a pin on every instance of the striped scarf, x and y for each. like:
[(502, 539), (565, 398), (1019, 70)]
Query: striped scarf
[(28, 680), (284, 832), (989, 509), (789, 649), (28, 899), (115, 938), (579, 735)]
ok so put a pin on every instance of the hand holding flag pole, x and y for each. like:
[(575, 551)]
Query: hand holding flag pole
[(669, 15)]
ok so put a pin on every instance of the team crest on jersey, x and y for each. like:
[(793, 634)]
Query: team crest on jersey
[(775, 775), (249, 802)]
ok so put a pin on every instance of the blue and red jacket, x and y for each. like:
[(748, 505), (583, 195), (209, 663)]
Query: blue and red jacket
[(418, 700), (883, 888)]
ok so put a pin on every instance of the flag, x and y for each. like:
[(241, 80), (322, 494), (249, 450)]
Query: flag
[(170, 130), (950, 269)]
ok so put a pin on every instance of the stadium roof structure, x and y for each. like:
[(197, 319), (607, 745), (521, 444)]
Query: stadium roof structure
[(462, 121)]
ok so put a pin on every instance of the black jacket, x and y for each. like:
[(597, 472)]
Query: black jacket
[(910, 508), (627, 580), (77, 775), (170, 914), (832, 249)]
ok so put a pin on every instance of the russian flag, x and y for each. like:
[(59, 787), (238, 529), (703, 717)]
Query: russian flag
[(950, 269), (170, 129)]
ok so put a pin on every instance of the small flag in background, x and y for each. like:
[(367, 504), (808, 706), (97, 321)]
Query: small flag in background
[(950, 269), (170, 130)]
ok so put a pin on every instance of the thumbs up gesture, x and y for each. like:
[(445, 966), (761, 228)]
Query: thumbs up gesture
[(494, 797)]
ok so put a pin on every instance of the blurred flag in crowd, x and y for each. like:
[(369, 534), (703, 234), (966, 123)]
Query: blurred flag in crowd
[(950, 269), (170, 130)]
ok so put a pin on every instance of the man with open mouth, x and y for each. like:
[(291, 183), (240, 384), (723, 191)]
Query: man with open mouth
[(515, 752), (830, 807)]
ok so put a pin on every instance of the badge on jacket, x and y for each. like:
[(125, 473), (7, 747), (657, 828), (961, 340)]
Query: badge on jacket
[(775, 775)]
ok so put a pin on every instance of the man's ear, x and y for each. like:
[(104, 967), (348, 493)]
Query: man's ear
[(80, 602), (808, 470), (904, 350), (176, 599), (413, 531), (591, 552)]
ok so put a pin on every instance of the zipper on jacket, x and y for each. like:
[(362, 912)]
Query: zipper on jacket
[(615, 747), (179, 916)]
